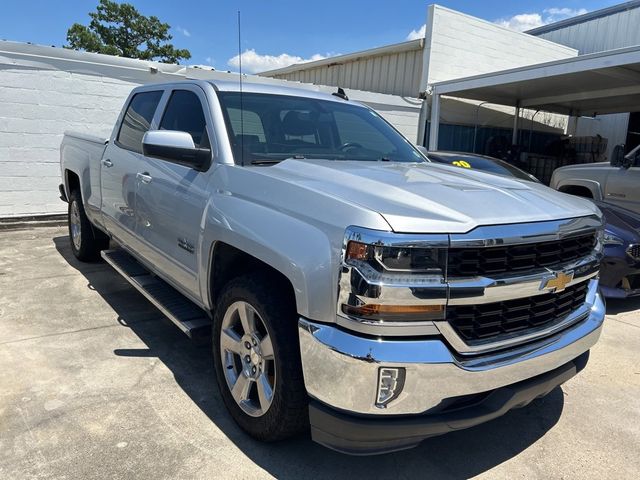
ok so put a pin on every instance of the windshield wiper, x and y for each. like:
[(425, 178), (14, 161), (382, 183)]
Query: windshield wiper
[(264, 161), (269, 161)]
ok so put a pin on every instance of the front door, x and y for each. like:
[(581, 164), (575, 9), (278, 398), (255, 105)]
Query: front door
[(172, 198), (623, 187)]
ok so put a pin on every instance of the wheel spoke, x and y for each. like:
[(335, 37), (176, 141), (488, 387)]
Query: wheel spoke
[(230, 341), (266, 347), (264, 391), (247, 318), (240, 390)]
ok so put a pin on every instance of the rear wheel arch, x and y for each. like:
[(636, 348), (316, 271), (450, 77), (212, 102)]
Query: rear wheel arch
[(72, 182)]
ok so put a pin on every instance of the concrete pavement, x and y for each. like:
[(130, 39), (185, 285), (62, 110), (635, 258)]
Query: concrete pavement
[(95, 383)]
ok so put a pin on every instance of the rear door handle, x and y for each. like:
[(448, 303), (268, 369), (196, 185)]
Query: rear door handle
[(107, 163), (144, 177)]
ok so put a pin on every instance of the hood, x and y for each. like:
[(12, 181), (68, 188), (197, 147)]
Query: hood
[(434, 198), (621, 222), (585, 166)]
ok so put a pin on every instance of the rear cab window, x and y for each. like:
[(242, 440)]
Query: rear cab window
[(137, 120)]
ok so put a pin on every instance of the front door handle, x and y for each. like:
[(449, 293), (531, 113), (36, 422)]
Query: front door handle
[(144, 177), (107, 163)]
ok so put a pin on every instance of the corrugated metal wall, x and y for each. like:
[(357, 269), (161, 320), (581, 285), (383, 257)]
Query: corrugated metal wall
[(396, 73), (618, 30), (608, 32)]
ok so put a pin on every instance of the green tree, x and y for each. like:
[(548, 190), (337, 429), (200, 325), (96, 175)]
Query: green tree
[(119, 29)]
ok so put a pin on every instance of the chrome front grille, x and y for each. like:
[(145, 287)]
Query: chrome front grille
[(494, 321), (493, 287), (471, 262)]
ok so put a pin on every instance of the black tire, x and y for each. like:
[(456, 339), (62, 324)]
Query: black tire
[(287, 414), (91, 240)]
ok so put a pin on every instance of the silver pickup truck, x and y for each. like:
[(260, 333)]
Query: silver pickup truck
[(616, 182), (347, 282)]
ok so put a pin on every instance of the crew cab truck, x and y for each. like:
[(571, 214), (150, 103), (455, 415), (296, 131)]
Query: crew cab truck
[(615, 182), (348, 283)]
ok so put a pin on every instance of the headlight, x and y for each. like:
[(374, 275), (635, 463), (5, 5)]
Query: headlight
[(385, 283), (611, 239), (396, 259)]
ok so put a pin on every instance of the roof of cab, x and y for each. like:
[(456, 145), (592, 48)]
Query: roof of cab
[(310, 91)]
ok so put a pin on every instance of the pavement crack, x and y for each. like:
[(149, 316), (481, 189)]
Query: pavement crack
[(70, 332), (622, 321)]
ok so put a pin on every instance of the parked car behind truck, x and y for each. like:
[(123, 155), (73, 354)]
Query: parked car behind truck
[(348, 283)]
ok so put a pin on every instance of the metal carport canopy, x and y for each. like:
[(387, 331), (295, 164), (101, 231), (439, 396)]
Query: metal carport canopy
[(586, 85)]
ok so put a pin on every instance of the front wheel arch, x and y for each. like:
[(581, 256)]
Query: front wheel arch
[(577, 190), (229, 262)]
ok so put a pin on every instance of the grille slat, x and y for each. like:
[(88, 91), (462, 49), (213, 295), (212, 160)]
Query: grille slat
[(465, 262), (495, 320)]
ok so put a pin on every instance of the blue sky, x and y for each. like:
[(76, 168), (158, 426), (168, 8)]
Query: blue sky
[(278, 32)]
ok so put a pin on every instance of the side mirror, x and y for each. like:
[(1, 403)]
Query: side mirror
[(176, 147), (423, 150), (617, 156)]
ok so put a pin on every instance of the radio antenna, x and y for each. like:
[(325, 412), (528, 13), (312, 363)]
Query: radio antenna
[(241, 106)]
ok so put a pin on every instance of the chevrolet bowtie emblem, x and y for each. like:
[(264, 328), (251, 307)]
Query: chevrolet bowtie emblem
[(556, 282)]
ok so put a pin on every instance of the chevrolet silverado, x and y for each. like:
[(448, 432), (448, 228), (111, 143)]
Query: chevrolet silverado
[(347, 283)]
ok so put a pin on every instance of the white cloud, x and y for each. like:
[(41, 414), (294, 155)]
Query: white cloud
[(253, 62), (416, 34), (527, 21), (209, 60), (522, 21), (183, 31)]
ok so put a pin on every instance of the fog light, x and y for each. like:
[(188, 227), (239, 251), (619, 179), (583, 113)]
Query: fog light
[(390, 385)]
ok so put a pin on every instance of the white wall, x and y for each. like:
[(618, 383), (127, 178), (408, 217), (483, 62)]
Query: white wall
[(459, 45), (36, 108), (45, 91)]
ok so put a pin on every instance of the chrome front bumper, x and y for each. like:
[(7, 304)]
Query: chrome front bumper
[(341, 369)]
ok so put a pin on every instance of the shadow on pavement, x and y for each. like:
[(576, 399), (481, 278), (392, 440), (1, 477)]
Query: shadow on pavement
[(460, 454), (622, 305)]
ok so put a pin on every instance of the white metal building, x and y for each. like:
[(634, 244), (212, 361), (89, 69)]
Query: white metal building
[(458, 46), (45, 91), (607, 29)]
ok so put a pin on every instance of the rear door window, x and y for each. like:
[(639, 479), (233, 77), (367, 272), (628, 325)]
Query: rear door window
[(137, 120)]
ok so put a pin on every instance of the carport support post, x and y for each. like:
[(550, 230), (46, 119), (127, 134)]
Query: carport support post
[(435, 121), (516, 118)]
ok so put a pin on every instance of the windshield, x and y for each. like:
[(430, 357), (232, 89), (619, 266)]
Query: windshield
[(477, 162), (270, 128)]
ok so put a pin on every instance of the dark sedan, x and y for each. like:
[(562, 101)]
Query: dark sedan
[(620, 271)]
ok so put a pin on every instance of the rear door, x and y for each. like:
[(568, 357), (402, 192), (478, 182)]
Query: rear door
[(172, 198), (120, 163)]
